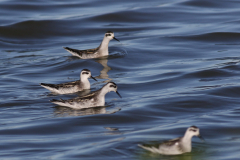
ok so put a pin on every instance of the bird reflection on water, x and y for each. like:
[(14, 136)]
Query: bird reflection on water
[(104, 60), (104, 71), (60, 111), (186, 156)]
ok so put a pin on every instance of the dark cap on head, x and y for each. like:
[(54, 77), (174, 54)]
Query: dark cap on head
[(194, 127), (86, 70), (109, 32)]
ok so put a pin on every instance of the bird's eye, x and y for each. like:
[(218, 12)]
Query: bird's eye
[(193, 130), (113, 86), (85, 73), (108, 35)]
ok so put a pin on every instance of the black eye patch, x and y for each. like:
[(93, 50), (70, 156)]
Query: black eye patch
[(108, 35), (85, 73), (193, 130), (113, 86)]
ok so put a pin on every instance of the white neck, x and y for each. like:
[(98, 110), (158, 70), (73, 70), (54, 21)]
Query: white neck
[(101, 95), (103, 48), (85, 82), (104, 91), (187, 141)]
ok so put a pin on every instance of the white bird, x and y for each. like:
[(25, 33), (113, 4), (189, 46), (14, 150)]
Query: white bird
[(71, 87), (94, 99), (176, 146), (100, 51)]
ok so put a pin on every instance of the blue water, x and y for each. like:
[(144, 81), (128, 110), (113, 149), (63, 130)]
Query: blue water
[(176, 65)]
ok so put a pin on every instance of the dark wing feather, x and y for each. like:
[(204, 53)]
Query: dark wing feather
[(81, 52), (92, 51), (76, 51), (83, 98), (68, 84), (65, 85)]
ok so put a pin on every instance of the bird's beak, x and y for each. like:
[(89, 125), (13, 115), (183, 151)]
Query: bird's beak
[(116, 39), (93, 78), (199, 136), (118, 94)]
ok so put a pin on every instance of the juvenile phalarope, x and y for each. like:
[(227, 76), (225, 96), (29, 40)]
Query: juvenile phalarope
[(71, 87), (94, 99), (100, 51), (176, 146)]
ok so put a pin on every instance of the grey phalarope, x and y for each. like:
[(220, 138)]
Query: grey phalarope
[(100, 51), (71, 87), (176, 146), (94, 99)]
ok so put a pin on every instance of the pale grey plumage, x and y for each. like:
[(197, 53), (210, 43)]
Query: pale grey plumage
[(94, 99), (176, 146), (71, 87), (100, 51)]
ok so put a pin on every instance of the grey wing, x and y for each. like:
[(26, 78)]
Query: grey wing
[(63, 102), (68, 84), (80, 53), (63, 88), (171, 147), (151, 149), (171, 142), (76, 52), (92, 51), (53, 87), (89, 96), (81, 99), (76, 102)]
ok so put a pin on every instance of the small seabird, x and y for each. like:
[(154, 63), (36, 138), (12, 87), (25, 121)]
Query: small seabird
[(100, 51), (94, 99), (71, 87), (176, 146)]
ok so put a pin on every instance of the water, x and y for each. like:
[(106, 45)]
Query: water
[(177, 65)]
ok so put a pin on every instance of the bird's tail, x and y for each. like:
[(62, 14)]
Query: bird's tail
[(50, 87), (74, 52)]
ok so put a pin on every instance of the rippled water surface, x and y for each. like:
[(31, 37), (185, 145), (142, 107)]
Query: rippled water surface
[(177, 65)]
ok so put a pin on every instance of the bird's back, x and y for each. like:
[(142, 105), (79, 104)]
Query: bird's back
[(171, 147), (89, 53)]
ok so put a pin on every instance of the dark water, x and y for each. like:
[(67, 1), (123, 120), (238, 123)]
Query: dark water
[(177, 65)]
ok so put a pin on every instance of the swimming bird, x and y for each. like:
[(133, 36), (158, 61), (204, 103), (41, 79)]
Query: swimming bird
[(94, 99), (176, 146), (100, 51), (71, 87)]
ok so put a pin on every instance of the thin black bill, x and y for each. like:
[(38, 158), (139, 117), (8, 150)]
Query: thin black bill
[(116, 39), (118, 94), (93, 78)]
